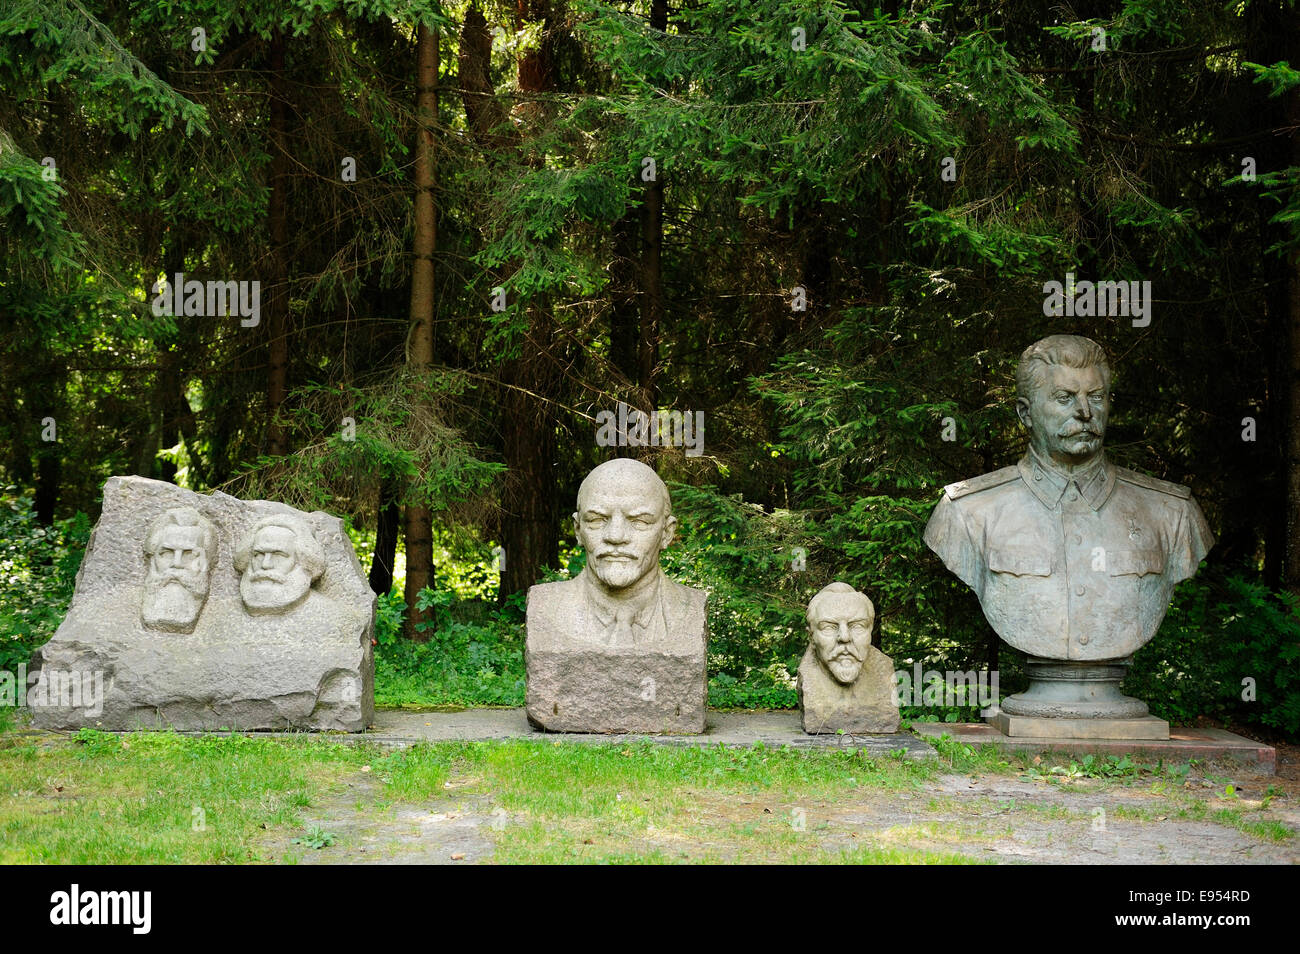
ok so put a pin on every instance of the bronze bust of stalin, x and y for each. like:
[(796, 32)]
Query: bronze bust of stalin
[(1073, 559)]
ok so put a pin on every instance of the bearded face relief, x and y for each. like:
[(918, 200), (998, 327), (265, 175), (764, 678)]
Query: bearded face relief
[(279, 560), (180, 550), (840, 620)]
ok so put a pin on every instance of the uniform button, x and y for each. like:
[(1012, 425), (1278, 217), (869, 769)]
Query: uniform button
[(1038, 475), (1083, 640), (1077, 539), (1073, 495), (1079, 590)]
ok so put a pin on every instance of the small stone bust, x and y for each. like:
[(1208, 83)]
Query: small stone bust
[(845, 683)]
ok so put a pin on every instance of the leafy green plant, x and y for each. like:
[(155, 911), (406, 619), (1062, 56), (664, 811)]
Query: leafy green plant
[(478, 663), (390, 609), (316, 837), (1229, 648), (38, 569)]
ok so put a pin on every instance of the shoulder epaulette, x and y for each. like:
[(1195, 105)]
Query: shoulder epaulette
[(1152, 483), (993, 478)]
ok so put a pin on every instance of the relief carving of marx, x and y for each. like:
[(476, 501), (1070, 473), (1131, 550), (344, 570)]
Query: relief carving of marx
[(1073, 558), (180, 550), (279, 560)]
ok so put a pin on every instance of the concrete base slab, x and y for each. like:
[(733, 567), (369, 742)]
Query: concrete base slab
[(1031, 727), (774, 729), (1182, 744)]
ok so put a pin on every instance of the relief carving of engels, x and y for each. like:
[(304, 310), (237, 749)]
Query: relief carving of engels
[(202, 612), (1072, 557)]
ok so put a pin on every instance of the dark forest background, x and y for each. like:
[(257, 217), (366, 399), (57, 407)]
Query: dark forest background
[(837, 255)]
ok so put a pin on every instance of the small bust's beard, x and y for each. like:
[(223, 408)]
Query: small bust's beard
[(843, 667), (173, 601), (275, 592)]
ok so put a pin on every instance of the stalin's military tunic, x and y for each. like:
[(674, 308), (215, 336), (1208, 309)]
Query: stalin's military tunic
[(1078, 568)]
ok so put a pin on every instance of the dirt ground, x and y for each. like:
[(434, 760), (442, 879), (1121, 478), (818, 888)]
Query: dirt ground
[(991, 818)]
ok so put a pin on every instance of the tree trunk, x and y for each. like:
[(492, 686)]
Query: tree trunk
[(419, 516), (652, 240), (49, 474), (1291, 573), (1273, 37), (530, 525), (277, 383), (168, 383), (623, 287), (390, 517), (529, 506)]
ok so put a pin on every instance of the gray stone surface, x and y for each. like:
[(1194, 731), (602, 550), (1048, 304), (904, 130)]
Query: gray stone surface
[(775, 729), (620, 647), (1060, 727), (1209, 745), (845, 684), (1073, 559), (143, 657)]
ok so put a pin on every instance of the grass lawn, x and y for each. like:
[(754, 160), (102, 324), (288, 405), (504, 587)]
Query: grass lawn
[(162, 798)]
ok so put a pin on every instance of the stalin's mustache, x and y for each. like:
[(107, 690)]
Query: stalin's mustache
[(1072, 431)]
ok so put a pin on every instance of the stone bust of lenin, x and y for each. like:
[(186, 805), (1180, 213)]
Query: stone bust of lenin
[(620, 647)]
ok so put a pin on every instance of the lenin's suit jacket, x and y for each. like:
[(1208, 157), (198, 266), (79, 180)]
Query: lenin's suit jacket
[(565, 614)]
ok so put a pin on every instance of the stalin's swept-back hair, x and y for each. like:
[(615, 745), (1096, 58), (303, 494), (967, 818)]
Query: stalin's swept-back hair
[(1069, 350)]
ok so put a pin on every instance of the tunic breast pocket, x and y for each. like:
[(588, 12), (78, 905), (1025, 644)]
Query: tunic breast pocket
[(1020, 562), (1136, 562)]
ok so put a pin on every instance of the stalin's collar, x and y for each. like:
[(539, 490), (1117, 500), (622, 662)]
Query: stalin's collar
[(1049, 485)]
